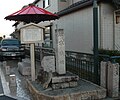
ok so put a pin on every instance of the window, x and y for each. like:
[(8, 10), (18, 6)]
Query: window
[(48, 37), (9, 42), (46, 3), (63, 0)]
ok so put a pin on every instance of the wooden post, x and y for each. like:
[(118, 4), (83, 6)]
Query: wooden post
[(32, 54)]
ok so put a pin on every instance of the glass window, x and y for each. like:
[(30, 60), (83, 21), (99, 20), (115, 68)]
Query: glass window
[(63, 0), (10, 42), (46, 3), (48, 37)]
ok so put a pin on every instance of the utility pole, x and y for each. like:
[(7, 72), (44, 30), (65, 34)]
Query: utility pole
[(95, 39)]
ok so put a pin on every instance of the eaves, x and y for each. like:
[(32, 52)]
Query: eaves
[(77, 6), (36, 1)]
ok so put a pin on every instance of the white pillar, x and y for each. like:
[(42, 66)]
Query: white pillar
[(60, 51), (32, 54), (113, 79)]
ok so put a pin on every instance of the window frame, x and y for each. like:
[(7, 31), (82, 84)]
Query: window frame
[(46, 3)]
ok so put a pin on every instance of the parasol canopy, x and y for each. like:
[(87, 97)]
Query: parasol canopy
[(32, 13)]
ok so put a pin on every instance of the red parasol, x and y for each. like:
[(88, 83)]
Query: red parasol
[(32, 13)]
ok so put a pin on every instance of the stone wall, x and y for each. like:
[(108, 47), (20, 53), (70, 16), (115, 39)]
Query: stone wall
[(81, 95)]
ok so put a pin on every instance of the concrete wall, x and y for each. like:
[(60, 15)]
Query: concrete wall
[(78, 29), (117, 36), (53, 6), (78, 26), (106, 26), (117, 31), (40, 4), (63, 5)]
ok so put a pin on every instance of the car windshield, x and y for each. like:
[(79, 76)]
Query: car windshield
[(10, 42)]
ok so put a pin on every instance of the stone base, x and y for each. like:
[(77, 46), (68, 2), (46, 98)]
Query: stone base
[(64, 81), (84, 91), (24, 68)]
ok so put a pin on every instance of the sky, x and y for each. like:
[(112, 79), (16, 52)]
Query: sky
[(8, 7)]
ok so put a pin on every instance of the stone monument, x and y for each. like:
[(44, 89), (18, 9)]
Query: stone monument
[(57, 77), (60, 52), (62, 79)]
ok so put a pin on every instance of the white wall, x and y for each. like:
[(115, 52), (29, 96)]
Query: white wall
[(73, 1), (40, 4), (117, 35), (78, 30), (78, 27), (63, 5), (106, 26), (53, 6)]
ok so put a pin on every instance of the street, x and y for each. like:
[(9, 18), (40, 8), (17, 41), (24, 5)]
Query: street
[(20, 91)]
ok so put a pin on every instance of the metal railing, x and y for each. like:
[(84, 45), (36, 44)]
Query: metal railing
[(40, 52), (78, 63), (81, 64)]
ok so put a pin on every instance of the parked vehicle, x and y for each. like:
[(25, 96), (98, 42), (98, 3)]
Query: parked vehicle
[(11, 48)]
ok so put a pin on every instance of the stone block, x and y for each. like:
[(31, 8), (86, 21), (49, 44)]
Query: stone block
[(48, 63), (73, 84), (24, 68), (4, 64), (64, 79), (7, 70), (46, 84), (103, 74), (64, 85), (56, 86), (113, 79), (12, 80)]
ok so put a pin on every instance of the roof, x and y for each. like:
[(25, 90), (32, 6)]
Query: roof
[(78, 5), (36, 1), (31, 24)]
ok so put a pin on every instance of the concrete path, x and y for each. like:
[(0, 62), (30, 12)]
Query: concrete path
[(19, 92), (1, 88)]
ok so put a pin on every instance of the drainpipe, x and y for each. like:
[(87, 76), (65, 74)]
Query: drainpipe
[(95, 39), (114, 14)]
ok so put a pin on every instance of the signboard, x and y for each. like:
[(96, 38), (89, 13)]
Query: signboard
[(31, 35)]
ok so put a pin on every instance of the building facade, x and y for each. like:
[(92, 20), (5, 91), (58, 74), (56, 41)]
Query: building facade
[(76, 18)]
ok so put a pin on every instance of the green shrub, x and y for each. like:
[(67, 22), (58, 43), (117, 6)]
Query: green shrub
[(110, 53)]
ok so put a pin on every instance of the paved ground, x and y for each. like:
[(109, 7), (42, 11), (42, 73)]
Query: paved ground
[(1, 88), (20, 92)]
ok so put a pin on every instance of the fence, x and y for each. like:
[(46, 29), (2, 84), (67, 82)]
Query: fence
[(78, 63), (81, 64)]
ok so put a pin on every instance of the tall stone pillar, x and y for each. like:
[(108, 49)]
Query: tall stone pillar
[(113, 79), (60, 51)]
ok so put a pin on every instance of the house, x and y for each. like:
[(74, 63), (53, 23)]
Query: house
[(76, 18)]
